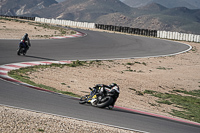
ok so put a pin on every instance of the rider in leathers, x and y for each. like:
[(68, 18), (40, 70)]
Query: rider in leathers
[(26, 41)]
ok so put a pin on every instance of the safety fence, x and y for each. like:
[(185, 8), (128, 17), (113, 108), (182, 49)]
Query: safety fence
[(18, 17), (66, 23), (178, 36), (145, 32), (153, 33)]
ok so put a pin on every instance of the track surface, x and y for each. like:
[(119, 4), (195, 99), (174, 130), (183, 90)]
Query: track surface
[(95, 45)]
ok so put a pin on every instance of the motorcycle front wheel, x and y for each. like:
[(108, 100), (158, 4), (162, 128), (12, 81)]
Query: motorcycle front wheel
[(24, 52), (83, 99), (19, 51)]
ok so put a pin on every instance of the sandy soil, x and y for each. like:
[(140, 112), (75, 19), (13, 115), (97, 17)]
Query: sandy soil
[(15, 30), (134, 76)]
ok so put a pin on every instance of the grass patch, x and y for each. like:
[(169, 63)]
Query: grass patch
[(136, 62), (149, 92), (165, 102), (130, 63), (41, 130), (73, 32), (63, 84), (21, 75), (190, 104), (143, 63), (132, 89), (193, 92), (129, 70), (163, 68)]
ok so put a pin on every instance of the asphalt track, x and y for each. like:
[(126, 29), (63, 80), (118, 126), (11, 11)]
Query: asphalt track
[(96, 45)]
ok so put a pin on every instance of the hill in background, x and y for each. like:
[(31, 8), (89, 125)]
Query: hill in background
[(83, 10), (111, 12), (191, 4), (20, 7)]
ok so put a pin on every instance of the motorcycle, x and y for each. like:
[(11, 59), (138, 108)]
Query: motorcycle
[(101, 101), (22, 48)]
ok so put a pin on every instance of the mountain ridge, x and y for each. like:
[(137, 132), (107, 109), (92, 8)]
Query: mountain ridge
[(84, 10), (191, 4), (114, 12), (20, 7)]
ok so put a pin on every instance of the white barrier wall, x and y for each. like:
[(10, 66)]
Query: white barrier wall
[(160, 34), (178, 36), (66, 23)]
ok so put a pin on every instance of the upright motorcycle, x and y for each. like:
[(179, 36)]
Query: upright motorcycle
[(22, 48), (100, 101)]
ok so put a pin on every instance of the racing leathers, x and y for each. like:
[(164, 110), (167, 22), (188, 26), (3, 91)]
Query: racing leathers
[(26, 41)]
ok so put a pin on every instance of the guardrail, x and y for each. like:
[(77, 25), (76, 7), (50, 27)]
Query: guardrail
[(18, 17), (178, 36), (153, 33), (145, 32), (66, 23)]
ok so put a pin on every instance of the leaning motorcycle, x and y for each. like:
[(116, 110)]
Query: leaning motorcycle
[(22, 48), (98, 100)]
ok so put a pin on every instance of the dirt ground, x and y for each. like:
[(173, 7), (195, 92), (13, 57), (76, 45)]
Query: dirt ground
[(16, 29), (134, 76)]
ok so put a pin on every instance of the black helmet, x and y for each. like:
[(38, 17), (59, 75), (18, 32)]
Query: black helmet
[(113, 84), (115, 87)]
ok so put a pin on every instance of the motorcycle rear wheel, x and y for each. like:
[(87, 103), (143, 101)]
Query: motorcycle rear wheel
[(107, 101)]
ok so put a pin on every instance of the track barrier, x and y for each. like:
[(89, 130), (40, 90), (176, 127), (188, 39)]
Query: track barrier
[(144, 32)]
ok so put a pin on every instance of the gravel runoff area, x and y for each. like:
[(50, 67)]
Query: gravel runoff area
[(14, 120)]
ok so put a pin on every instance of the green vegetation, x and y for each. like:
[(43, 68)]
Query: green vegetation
[(190, 104), (73, 32), (130, 63), (136, 62), (132, 89), (21, 75), (41, 130), (129, 70), (97, 62), (163, 68)]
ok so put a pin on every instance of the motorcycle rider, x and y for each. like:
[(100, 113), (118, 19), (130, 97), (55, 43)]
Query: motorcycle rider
[(26, 41), (104, 89)]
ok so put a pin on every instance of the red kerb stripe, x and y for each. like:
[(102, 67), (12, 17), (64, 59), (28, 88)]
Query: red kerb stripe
[(32, 64), (3, 73), (5, 69), (47, 62), (14, 66)]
